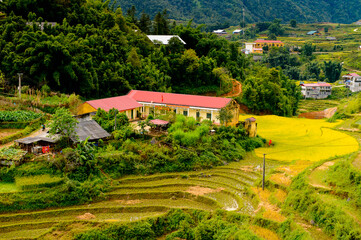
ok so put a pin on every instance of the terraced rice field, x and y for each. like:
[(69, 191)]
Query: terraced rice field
[(302, 139), (138, 197)]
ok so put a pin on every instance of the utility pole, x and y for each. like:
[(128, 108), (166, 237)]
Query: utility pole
[(115, 120), (20, 75), (264, 170)]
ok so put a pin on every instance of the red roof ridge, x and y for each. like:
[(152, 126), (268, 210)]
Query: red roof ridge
[(270, 41), (122, 103), (179, 99)]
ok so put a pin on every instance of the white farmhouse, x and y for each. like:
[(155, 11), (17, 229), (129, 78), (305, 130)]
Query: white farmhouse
[(316, 90), (355, 84)]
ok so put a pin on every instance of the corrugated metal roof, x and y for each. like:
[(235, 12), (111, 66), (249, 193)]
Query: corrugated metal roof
[(29, 140), (164, 39), (179, 99), (122, 103), (89, 129)]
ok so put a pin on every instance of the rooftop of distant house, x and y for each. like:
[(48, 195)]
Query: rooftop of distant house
[(219, 31), (312, 32), (121, 103), (316, 84), (353, 74), (267, 41), (179, 99), (163, 39)]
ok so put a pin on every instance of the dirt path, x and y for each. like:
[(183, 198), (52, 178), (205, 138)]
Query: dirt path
[(327, 113), (314, 178), (236, 90), (33, 134)]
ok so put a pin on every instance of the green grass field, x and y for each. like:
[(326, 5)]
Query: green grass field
[(302, 139)]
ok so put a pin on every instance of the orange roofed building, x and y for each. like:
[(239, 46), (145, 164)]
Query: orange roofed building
[(257, 46), (139, 104)]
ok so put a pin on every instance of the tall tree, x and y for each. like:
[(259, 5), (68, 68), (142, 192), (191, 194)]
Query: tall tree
[(63, 123), (332, 70), (145, 23)]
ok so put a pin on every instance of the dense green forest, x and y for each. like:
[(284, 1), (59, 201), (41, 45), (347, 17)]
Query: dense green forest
[(95, 51), (218, 12)]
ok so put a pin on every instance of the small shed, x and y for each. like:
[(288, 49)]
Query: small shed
[(36, 144), (314, 32), (251, 126), (220, 31), (237, 31)]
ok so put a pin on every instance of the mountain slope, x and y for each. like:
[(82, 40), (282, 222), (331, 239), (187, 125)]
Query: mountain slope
[(213, 11)]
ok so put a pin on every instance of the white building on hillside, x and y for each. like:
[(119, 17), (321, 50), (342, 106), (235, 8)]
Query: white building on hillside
[(163, 39), (220, 31), (316, 90), (355, 84)]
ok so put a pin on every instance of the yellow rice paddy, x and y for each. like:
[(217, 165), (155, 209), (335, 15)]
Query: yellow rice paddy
[(301, 139)]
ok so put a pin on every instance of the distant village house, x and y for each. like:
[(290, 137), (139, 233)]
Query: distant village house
[(314, 32), (163, 39), (237, 31), (257, 46), (355, 83), (316, 90), (219, 32), (43, 143)]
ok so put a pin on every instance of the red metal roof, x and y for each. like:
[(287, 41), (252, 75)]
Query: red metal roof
[(316, 85), (179, 99), (122, 103), (353, 74), (267, 41)]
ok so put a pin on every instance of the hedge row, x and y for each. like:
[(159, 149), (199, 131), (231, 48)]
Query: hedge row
[(19, 125)]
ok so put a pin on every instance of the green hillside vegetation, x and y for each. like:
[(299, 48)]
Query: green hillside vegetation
[(196, 180), (104, 54), (218, 12)]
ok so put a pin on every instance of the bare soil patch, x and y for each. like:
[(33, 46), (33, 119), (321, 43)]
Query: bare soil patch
[(86, 216), (236, 89), (129, 202), (327, 113), (200, 191), (7, 132), (247, 168), (281, 179), (326, 165)]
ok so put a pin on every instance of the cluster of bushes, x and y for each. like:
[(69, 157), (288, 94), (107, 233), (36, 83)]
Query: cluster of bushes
[(189, 146), (54, 189), (193, 224), (107, 119), (18, 116), (344, 176), (69, 193), (330, 217)]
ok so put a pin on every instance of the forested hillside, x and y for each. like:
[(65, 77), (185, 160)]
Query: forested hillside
[(96, 52), (217, 11)]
